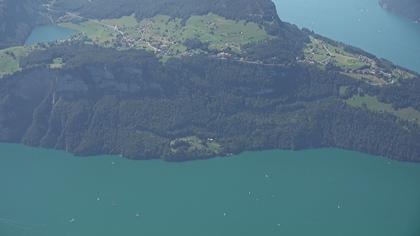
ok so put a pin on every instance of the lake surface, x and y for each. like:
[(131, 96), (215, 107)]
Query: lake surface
[(316, 192), (362, 23), (48, 33)]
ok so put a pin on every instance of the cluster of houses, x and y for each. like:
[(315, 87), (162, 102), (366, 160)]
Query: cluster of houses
[(370, 68)]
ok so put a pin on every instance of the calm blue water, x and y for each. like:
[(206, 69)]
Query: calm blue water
[(48, 33), (361, 23), (325, 192)]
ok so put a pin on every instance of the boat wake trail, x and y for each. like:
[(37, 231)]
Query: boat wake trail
[(20, 225)]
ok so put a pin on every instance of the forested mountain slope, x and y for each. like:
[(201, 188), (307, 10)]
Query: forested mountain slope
[(407, 8), (177, 80)]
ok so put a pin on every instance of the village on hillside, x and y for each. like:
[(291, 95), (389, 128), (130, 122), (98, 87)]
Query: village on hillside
[(357, 66)]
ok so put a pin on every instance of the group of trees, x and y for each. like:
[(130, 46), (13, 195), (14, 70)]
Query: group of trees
[(406, 94), (283, 49)]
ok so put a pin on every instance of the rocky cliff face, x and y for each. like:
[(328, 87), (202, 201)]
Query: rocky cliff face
[(129, 103)]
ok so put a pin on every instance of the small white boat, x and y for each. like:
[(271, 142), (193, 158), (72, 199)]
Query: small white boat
[(72, 220)]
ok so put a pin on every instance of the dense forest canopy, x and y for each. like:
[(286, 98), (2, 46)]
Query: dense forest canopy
[(256, 10)]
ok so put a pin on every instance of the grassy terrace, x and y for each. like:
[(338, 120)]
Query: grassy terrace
[(162, 35), (195, 144), (354, 65), (372, 103), (9, 59), (323, 53), (166, 37)]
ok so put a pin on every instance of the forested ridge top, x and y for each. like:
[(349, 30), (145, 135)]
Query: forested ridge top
[(257, 10)]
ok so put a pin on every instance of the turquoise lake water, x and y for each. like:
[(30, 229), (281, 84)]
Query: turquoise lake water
[(361, 23), (315, 192), (48, 33), (325, 192)]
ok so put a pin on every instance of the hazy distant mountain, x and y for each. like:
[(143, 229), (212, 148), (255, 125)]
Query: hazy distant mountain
[(190, 79), (407, 8)]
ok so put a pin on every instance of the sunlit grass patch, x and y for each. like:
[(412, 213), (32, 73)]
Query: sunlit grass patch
[(10, 59), (165, 36), (373, 104)]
